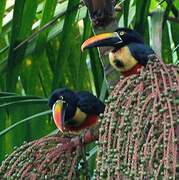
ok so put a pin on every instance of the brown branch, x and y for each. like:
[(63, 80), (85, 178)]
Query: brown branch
[(101, 11), (176, 20)]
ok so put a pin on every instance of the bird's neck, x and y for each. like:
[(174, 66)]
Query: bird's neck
[(134, 70), (90, 121)]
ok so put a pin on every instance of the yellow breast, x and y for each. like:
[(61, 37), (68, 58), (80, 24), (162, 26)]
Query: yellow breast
[(123, 55), (79, 116)]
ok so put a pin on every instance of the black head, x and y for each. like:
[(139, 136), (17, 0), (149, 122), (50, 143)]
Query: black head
[(117, 39), (69, 99), (128, 36)]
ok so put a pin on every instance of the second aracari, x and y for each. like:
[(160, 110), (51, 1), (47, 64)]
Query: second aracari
[(75, 111)]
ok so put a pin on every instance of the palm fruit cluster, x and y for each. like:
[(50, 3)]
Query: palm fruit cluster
[(139, 133), (51, 157)]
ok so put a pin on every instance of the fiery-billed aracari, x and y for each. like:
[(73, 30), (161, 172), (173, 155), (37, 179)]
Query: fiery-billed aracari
[(128, 54), (74, 111)]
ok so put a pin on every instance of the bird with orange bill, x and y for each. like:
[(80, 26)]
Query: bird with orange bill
[(128, 51), (75, 111)]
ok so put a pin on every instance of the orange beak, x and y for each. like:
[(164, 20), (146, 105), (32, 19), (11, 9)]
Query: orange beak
[(58, 111), (100, 40)]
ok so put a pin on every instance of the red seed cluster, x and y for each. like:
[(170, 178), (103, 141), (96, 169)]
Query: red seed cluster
[(138, 136), (52, 157), (139, 133)]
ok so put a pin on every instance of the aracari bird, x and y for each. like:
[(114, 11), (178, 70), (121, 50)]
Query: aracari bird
[(145, 110), (128, 54), (74, 111)]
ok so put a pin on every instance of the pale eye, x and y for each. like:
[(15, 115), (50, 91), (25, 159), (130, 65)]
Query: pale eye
[(121, 33), (61, 98)]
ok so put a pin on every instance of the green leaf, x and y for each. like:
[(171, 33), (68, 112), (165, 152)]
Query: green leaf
[(166, 47), (48, 13), (175, 41), (24, 13), (104, 90), (97, 69), (2, 133), (24, 102), (126, 7), (142, 10), (65, 40), (2, 9), (83, 76)]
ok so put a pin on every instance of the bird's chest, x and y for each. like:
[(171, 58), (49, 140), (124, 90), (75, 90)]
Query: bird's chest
[(89, 121)]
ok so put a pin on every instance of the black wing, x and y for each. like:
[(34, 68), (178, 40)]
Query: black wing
[(140, 52), (89, 103)]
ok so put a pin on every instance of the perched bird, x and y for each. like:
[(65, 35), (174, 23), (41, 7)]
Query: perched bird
[(128, 54), (74, 111), (145, 108)]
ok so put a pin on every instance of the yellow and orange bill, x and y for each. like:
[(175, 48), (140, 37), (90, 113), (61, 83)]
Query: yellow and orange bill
[(104, 39), (58, 112)]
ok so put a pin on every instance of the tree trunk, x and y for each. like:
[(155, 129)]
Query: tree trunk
[(157, 18), (103, 18)]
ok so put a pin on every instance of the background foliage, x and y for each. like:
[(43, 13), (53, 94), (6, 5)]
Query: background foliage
[(40, 51)]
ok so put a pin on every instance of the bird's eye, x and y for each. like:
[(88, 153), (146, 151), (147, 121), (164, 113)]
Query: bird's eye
[(121, 33), (61, 98)]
